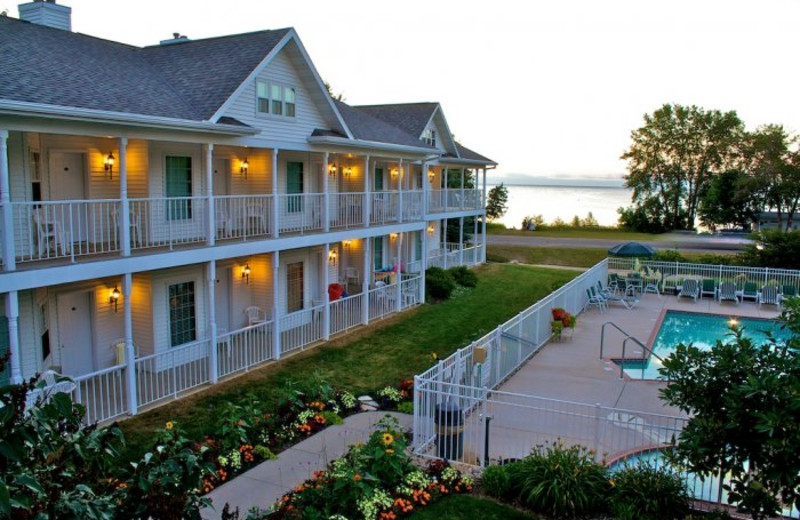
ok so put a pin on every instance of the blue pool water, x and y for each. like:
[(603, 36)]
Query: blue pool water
[(701, 330)]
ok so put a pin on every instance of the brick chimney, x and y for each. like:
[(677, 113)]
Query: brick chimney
[(47, 12)]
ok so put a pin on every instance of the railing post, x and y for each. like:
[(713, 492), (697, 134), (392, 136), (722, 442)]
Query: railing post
[(596, 441), (276, 322), (12, 314), (400, 178), (326, 201), (417, 413), (498, 342), (130, 353), (486, 422), (211, 282), (365, 303), (9, 255), (326, 310), (124, 209), (275, 201), (367, 201), (211, 232)]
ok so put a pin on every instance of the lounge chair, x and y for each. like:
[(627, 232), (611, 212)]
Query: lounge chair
[(652, 279), (727, 292), (709, 288), (750, 291), (690, 289), (788, 290), (613, 280), (592, 298), (605, 293), (769, 294)]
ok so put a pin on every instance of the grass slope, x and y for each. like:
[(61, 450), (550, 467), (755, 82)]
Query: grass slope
[(461, 507), (566, 256), (371, 357)]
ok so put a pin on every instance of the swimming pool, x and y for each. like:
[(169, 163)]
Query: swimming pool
[(701, 330)]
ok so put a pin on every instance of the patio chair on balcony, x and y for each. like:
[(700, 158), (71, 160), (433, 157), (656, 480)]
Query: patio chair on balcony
[(594, 299), (709, 288), (750, 291), (727, 292), (133, 225), (255, 315), (351, 276), (690, 289), (256, 219), (50, 237), (769, 295)]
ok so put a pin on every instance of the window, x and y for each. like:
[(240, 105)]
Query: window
[(294, 287), (377, 253), (178, 177), (429, 136), (294, 186), (275, 99), (182, 326), (378, 179)]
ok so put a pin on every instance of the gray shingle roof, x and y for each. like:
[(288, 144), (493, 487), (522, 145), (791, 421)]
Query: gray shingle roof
[(466, 153), (411, 117), (369, 128), (183, 81)]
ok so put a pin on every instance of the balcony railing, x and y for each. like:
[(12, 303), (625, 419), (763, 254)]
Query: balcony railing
[(51, 230)]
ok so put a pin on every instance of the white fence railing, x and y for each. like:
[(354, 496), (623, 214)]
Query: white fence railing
[(346, 313), (168, 374), (300, 213), (346, 210), (167, 221), (102, 393), (384, 207), (243, 216), (412, 205), (244, 348), (301, 328)]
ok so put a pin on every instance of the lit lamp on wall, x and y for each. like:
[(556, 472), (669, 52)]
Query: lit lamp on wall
[(430, 230), (113, 298), (332, 169), (244, 167), (393, 236), (246, 274), (395, 172), (347, 244), (332, 257), (108, 164), (347, 171), (431, 175)]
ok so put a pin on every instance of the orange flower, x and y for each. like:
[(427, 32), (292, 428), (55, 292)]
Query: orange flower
[(389, 451), (357, 477)]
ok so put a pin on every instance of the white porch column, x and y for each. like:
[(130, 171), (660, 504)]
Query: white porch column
[(463, 205), (124, 203), (130, 352), (211, 231), (9, 255), (367, 201), (424, 266), (326, 281), (461, 240), (276, 313), (400, 190), (326, 200), (426, 189), (365, 281), (275, 201), (446, 189), (444, 241), (211, 285), (483, 235), (398, 273), (12, 314), (475, 238)]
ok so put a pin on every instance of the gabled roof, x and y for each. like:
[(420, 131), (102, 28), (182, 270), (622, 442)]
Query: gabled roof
[(368, 128), (466, 153), (410, 117), (206, 72)]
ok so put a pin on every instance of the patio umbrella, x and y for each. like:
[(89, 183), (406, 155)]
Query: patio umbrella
[(632, 249)]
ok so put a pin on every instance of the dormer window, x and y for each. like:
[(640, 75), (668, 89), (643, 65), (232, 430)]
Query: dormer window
[(275, 99), (429, 136)]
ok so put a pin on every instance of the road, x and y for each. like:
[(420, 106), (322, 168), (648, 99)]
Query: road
[(680, 241)]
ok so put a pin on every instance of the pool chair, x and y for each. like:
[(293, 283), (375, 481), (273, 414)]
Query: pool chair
[(788, 290), (709, 288), (605, 293), (690, 289), (727, 292), (769, 295), (592, 298), (750, 291), (613, 280)]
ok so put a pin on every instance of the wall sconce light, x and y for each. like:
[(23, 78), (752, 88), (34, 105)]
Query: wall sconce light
[(113, 298), (347, 171), (332, 169), (108, 164), (332, 257), (244, 167), (395, 172), (430, 230), (347, 244), (431, 175), (246, 273), (393, 236)]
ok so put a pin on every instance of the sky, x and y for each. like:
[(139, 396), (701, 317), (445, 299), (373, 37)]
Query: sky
[(545, 88)]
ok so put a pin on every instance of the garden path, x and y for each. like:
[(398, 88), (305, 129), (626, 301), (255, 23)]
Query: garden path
[(267, 482)]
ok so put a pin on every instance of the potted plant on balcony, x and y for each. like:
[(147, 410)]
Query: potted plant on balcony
[(562, 321)]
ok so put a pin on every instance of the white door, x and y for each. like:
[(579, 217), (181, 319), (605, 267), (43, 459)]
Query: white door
[(75, 333), (68, 182), (222, 301), (222, 174)]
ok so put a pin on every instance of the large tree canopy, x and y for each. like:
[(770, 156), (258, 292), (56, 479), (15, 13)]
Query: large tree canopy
[(673, 157)]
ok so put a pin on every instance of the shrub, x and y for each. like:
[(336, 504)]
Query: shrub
[(648, 491), (563, 482), (439, 284), (496, 482), (668, 255), (331, 417), (464, 276), (406, 407)]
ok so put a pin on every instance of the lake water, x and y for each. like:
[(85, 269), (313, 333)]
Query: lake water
[(564, 202)]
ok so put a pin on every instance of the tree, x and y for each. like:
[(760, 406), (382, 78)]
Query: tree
[(731, 199), (497, 203), (773, 249), (337, 97), (674, 156), (771, 158), (744, 403)]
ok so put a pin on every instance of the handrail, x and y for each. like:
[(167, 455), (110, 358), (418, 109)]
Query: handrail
[(603, 334), (645, 348), (517, 338)]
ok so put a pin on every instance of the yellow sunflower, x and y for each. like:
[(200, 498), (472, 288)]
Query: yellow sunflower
[(388, 438), (170, 425)]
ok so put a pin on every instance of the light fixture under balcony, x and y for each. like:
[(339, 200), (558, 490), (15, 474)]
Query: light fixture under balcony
[(113, 298), (246, 274), (347, 171), (347, 244), (430, 230), (108, 164), (332, 257), (431, 175), (244, 167), (332, 169), (395, 172), (393, 236)]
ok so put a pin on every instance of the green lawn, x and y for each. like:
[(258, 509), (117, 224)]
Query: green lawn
[(564, 256), (372, 357), (602, 233), (463, 507)]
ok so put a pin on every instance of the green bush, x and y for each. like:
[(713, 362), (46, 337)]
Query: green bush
[(668, 255), (496, 482), (464, 276), (331, 417), (439, 284), (713, 259), (647, 491), (563, 482), (406, 407)]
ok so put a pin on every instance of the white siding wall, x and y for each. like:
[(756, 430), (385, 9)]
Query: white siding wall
[(257, 293), (158, 152), (109, 326), (29, 335), (259, 172), (142, 311), (19, 178), (283, 129)]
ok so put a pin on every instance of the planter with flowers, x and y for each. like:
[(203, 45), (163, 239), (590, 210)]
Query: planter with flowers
[(563, 324)]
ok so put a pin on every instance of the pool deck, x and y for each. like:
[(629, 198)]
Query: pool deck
[(572, 369)]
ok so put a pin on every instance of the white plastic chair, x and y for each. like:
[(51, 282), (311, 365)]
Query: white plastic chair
[(255, 315), (351, 273), (49, 230)]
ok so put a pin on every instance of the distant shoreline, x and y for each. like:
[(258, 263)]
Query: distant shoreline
[(588, 186)]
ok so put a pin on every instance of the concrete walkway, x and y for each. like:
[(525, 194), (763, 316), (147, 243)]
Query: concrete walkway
[(267, 482)]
